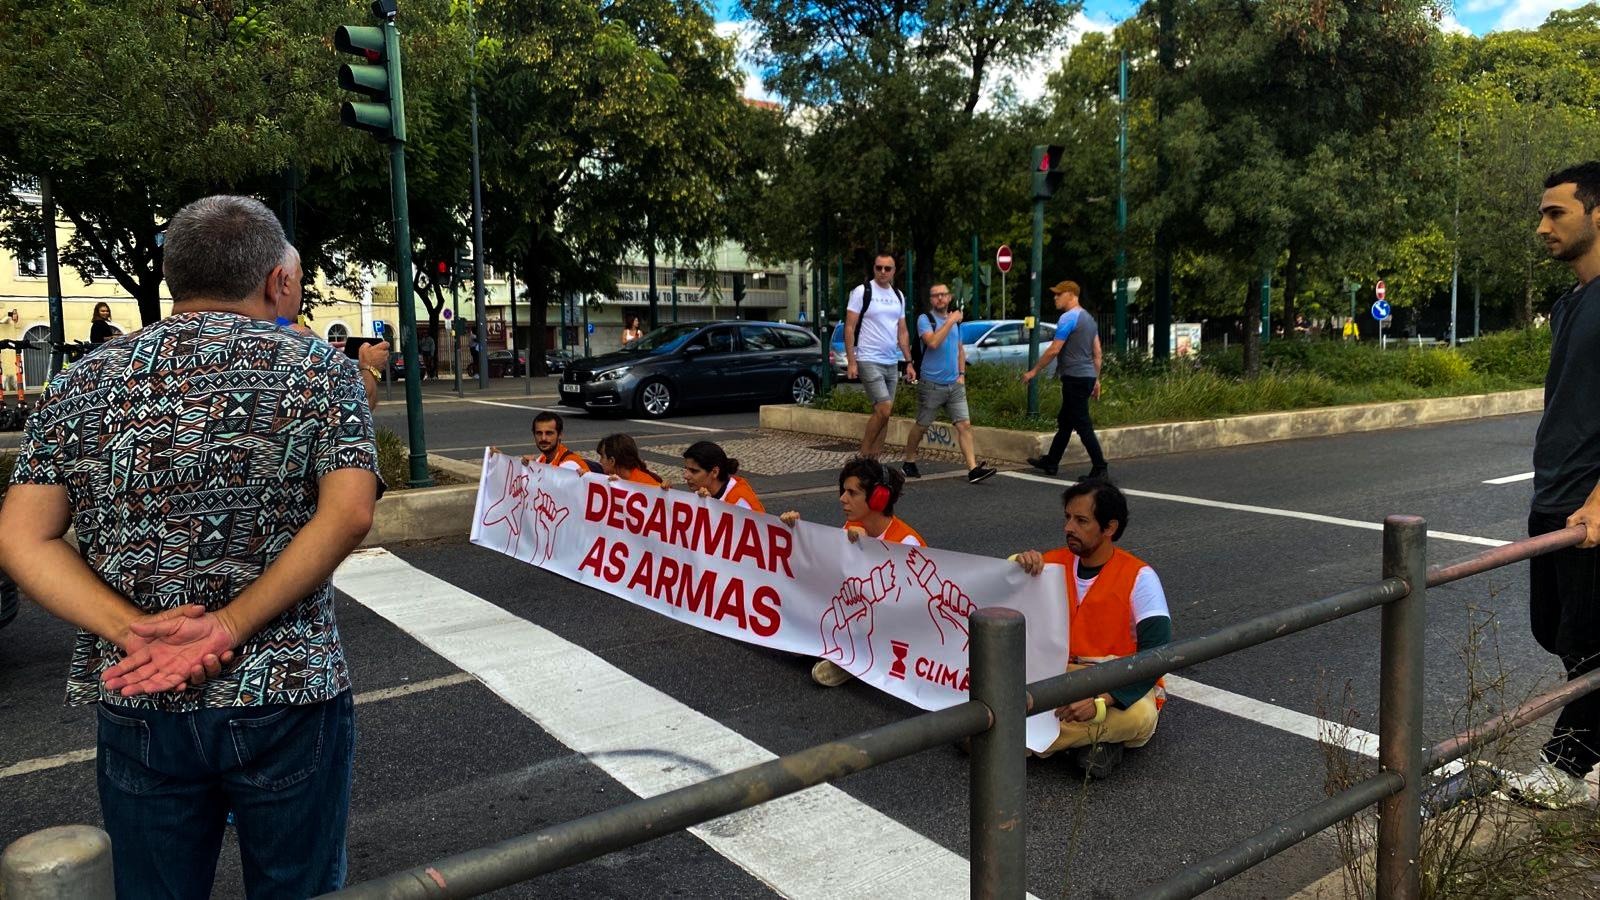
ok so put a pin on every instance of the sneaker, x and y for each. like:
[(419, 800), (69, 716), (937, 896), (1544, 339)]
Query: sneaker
[(1547, 787), (1096, 472), (1098, 760), (1042, 464), (911, 470), (979, 473), (828, 674)]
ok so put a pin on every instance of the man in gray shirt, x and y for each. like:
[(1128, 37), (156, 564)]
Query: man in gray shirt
[(1076, 350), (1564, 587)]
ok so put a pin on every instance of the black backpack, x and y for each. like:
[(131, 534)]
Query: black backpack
[(866, 301)]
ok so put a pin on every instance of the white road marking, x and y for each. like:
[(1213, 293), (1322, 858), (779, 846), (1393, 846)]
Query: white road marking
[(656, 423), (1511, 479), (1268, 511), (818, 843), (660, 424), (1353, 739), (43, 763)]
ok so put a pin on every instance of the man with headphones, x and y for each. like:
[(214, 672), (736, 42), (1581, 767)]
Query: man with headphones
[(868, 491)]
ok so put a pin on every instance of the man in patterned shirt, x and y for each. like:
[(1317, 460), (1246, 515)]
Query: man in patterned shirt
[(216, 469)]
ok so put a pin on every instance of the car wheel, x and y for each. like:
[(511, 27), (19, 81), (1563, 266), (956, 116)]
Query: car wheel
[(803, 390), (655, 398)]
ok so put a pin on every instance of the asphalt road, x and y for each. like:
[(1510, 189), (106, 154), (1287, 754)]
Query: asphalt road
[(452, 766)]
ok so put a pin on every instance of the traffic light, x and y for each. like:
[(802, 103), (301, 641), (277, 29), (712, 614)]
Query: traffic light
[(465, 270), (441, 273), (738, 290), (1047, 171), (378, 77)]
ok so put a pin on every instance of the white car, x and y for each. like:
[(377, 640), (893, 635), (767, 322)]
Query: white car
[(1003, 341)]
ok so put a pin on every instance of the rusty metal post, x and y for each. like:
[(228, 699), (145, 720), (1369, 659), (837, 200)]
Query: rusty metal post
[(68, 862), (999, 756), (1400, 747)]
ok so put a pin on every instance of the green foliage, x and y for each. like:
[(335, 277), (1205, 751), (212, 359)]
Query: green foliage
[(394, 462), (1295, 375), (8, 461)]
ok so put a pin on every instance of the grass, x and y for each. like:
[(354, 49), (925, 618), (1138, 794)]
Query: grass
[(394, 464), (1295, 375)]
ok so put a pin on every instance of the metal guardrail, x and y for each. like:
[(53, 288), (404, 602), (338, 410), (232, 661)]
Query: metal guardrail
[(994, 719)]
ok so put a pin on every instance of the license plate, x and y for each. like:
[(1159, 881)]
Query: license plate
[(571, 388)]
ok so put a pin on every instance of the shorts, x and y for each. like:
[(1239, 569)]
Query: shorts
[(880, 380), (952, 398)]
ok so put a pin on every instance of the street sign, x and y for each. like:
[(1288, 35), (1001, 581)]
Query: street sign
[(1380, 309), (447, 314), (1380, 290), (1002, 258), (377, 327), (591, 328)]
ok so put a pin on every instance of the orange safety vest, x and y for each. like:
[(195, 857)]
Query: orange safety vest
[(563, 455), (1101, 623), (896, 533), (640, 476), (738, 489)]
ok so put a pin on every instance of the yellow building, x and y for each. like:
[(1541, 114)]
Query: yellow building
[(25, 310)]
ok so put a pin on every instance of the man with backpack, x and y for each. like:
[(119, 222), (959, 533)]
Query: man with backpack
[(943, 384), (875, 340)]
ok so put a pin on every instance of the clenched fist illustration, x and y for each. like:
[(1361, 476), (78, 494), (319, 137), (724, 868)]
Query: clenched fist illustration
[(547, 518), (847, 623), (946, 600)]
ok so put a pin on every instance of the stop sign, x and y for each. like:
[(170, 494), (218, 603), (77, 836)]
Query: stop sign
[(1380, 290), (1002, 258)]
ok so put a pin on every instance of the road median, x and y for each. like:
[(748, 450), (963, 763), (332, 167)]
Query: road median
[(1131, 441)]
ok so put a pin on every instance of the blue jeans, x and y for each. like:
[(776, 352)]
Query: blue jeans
[(168, 780)]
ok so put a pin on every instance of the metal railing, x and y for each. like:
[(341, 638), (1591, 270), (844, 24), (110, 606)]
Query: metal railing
[(994, 719)]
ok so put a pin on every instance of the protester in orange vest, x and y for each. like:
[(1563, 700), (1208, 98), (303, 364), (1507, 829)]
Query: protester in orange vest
[(547, 429), (1116, 607), (868, 491), (712, 473), (619, 456)]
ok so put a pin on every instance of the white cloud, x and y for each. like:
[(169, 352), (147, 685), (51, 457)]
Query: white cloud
[(1531, 13), (1478, 6), (1449, 24), (1030, 82), (744, 35)]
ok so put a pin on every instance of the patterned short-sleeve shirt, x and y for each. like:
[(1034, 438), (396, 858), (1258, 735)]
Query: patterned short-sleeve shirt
[(190, 451)]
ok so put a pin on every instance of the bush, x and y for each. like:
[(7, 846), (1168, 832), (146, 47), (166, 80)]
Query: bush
[(1521, 356), (1436, 368), (394, 462)]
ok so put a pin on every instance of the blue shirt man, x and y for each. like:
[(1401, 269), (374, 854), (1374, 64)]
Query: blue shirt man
[(943, 385), (1076, 349)]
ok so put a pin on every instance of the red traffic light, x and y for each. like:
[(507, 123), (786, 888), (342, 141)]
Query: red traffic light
[(443, 268)]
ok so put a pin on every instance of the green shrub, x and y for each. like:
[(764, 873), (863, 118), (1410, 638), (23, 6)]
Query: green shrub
[(394, 462), (1436, 368), (1519, 356)]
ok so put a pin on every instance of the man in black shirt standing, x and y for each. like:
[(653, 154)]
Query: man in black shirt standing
[(1564, 587)]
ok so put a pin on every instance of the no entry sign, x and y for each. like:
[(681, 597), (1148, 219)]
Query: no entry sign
[(1002, 258)]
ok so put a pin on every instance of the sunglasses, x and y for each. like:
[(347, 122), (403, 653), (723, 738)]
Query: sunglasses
[(883, 268)]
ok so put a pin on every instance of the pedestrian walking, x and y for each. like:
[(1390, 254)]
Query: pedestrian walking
[(943, 385), (101, 329), (1564, 587), (1076, 352), (875, 342), (200, 586)]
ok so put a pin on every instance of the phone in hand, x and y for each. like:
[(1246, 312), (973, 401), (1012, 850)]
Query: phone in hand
[(353, 345)]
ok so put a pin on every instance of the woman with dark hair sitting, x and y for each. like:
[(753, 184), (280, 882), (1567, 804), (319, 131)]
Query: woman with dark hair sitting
[(619, 456), (712, 473)]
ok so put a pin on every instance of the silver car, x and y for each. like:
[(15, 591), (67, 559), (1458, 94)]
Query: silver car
[(1003, 341)]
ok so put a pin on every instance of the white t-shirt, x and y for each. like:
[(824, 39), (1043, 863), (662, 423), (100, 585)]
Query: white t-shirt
[(880, 328), (1148, 597)]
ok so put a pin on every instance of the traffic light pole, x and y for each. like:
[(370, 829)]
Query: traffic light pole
[(1121, 338), (1035, 289), (420, 476), (455, 321)]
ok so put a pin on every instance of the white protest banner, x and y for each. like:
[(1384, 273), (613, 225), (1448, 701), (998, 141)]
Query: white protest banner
[(893, 615)]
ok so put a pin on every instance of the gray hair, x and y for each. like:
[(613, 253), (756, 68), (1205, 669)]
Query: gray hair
[(221, 248)]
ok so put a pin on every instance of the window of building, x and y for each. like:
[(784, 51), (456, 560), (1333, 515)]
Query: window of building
[(337, 333)]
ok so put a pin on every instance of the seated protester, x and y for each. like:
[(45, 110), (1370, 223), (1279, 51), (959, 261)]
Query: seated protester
[(1116, 607), (868, 491), (619, 457), (547, 430), (711, 473)]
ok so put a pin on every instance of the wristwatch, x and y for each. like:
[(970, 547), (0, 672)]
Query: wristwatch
[(374, 371)]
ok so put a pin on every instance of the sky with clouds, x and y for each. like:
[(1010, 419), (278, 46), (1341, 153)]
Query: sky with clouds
[(1475, 16)]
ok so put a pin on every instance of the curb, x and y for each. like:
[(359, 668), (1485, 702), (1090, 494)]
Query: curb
[(1174, 437), (427, 513)]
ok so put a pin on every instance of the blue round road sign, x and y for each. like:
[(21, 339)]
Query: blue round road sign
[(1381, 310), (591, 328)]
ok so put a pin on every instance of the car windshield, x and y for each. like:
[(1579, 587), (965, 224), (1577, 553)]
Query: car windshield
[(838, 334), (665, 339), (971, 331)]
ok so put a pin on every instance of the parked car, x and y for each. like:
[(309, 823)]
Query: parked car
[(836, 354), (558, 360), (685, 363), (500, 365), (1003, 341)]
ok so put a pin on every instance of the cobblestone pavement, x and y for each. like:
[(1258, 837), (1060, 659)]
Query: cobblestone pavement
[(788, 453)]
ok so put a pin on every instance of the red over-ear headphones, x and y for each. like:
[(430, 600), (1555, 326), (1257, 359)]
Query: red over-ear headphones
[(878, 498)]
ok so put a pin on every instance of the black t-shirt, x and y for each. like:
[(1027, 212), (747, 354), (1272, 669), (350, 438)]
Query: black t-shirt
[(1566, 453), (101, 331)]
